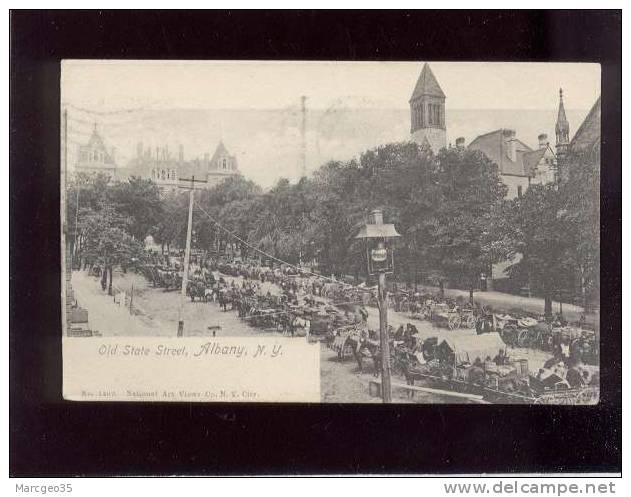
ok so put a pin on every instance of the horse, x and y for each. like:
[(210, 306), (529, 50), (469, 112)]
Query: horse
[(170, 280), (428, 349), (196, 289), (224, 299), (296, 323), (362, 348), (209, 294)]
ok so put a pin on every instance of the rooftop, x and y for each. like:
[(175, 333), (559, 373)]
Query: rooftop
[(427, 84)]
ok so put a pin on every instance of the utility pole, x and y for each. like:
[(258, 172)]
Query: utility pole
[(187, 254), (303, 133), (386, 386), (131, 300), (381, 261)]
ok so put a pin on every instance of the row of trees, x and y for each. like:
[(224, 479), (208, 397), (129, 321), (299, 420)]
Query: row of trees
[(106, 223), (449, 207)]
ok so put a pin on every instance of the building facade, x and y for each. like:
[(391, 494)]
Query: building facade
[(583, 152), (168, 171), (94, 157), (519, 165)]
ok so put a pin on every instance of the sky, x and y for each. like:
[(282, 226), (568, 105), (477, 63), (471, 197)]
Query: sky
[(254, 107), (112, 85)]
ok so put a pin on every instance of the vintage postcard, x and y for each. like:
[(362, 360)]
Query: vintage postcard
[(345, 232)]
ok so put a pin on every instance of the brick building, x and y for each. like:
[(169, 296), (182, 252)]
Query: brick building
[(519, 165)]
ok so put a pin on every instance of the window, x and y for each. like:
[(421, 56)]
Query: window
[(434, 114), (519, 190), (225, 164)]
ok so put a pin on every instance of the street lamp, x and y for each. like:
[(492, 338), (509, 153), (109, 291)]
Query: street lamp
[(380, 257)]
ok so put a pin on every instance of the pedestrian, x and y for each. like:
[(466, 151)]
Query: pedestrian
[(364, 314), (581, 321)]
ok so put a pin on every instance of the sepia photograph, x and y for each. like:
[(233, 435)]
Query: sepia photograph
[(294, 244), (398, 232)]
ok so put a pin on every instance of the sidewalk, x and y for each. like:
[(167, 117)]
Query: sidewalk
[(506, 301), (105, 316)]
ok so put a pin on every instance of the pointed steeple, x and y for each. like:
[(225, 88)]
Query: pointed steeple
[(219, 152), (427, 112), (562, 129), (427, 85), (222, 160), (562, 125)]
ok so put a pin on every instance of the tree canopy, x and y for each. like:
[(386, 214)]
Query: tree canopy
[(450, 209)]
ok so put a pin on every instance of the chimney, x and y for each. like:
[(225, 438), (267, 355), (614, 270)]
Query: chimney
[(113, 154), (511, 142), (543, 140), (460, 143), (158, 154), (181, 153)]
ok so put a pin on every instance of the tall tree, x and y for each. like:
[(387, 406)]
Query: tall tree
[(534, 233), (139, 200), (470, 187), (107, 242), (170, 229), (85, 193)]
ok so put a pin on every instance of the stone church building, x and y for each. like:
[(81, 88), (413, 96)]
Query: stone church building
[(519, 165), (427, 109)]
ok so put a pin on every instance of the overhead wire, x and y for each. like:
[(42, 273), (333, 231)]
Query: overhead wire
[(269, 256)]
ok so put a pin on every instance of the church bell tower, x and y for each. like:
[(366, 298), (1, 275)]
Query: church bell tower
[(427, 112)]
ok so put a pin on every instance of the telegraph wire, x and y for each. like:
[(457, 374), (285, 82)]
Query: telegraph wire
[(256, 249), (107, 112)]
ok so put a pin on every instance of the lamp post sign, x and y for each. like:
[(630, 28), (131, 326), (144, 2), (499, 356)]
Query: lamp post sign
[(380, 262)]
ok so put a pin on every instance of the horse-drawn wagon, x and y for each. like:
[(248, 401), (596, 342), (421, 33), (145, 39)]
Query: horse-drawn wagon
[(479, 365), (441, 314)]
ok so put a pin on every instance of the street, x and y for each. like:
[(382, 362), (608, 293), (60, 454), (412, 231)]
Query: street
[(155, 313)]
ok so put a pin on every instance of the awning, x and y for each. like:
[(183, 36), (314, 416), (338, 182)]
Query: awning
[(377, 231)]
